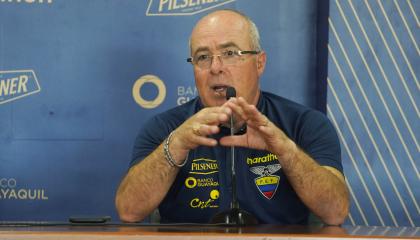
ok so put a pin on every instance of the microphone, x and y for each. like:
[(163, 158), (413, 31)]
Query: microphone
[(230, 93), (235, 215)]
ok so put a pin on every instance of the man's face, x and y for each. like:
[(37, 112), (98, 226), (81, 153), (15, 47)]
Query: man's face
[(218, 33)]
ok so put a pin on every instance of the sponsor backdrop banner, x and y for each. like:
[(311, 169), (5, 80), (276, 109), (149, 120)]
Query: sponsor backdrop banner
[(79, 78)]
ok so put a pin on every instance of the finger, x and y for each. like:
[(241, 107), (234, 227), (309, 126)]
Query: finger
[(249, 110), (225, 113), (206, 130), (237, 109), (214, 118), (202, 130), (215, 115), (266, 131), (225, 109), (198, 136), (254, 117), (204, 141), (260, 121), (196, 129)]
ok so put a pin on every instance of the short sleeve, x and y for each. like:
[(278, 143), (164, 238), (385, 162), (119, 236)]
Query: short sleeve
[(150, 136), (318, 138)]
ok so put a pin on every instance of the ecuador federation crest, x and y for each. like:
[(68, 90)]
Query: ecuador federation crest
[(267, 183)]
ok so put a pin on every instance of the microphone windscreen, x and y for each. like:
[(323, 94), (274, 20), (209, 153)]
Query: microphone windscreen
[(230, 92)]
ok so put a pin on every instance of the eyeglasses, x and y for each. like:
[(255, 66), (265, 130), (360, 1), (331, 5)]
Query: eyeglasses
[(228, 57)]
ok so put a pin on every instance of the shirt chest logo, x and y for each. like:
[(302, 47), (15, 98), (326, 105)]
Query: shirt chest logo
[(267, 183), (203, 179), (204, 166)]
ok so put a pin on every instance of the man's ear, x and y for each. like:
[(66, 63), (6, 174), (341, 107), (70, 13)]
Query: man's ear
[(261, 60)]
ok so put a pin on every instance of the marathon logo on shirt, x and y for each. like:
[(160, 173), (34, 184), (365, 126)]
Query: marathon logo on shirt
[(267, 183), (265, 159), (204, 166), (17, 84), (182, 7)]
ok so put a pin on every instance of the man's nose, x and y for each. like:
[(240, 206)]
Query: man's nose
[(216, 64)]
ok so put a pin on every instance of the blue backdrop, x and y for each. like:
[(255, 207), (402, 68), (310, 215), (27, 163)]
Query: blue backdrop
[(78, 79), (373, 96)]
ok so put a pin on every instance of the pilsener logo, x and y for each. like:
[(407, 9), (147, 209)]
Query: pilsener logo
[(182, 7), (17, 84)]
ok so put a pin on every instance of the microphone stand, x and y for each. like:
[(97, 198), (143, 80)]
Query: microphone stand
[(234, 215), (234, 203)]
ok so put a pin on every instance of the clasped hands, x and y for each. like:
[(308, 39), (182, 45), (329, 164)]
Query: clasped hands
[(261, 132)]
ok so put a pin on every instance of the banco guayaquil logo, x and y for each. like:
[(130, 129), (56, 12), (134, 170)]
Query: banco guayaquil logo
[(137, 94), (17, 84), (182, 7), (9, 190)]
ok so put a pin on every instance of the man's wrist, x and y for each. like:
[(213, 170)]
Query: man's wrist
[(292, 152), (288, 156), (172, 159)]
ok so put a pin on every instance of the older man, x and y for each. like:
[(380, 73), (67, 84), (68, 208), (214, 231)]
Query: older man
[(287, 156)]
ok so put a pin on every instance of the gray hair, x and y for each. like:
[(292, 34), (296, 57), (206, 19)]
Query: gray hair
[(254, 35)]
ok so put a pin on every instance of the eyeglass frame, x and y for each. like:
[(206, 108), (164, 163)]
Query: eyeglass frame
[(238, 53)]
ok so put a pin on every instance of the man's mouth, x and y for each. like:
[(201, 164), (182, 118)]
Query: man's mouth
[(220, 90)]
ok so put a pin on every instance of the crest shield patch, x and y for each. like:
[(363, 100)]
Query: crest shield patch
[(267, 183)]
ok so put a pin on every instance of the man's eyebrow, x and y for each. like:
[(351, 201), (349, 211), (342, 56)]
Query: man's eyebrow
[(201, 49), (227, 45), (221, 46)]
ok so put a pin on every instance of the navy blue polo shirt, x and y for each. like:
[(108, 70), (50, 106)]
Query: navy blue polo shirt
[(203, 187)]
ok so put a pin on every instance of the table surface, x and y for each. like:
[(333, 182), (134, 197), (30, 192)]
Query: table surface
[(194, 231)]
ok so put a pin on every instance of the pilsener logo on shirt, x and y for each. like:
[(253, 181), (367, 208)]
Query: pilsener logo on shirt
[(17, 84), (204, 166)]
